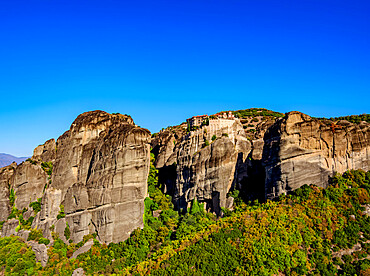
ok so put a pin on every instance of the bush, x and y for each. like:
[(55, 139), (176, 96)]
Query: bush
[(12, 197), (35, 235), (214, 137), (47, 167), (36, 205), (44, 241), (61, 212), (67, 231)]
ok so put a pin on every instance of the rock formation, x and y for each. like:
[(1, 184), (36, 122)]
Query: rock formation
[(99, 177), (28, 182), (193, 166), (93, 179), (46, 152), (302, 150), (6, 175), (283, 154)]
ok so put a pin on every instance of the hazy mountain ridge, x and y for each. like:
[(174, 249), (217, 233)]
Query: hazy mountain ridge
[(7, 159)]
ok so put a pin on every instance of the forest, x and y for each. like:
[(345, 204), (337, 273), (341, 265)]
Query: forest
[(311, 231)]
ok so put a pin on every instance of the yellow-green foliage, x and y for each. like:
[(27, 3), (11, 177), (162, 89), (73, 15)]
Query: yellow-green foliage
[(17, 258), (295, 235)]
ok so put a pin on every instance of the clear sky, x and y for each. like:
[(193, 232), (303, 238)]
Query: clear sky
[(164, 61)]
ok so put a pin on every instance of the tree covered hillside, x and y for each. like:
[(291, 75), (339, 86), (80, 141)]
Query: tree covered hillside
[(309, 232)]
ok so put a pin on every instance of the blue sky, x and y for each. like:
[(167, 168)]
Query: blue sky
[(164, 61)]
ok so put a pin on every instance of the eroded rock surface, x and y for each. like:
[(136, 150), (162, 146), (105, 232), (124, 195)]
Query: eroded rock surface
[(41, 252), (45, 152), (28, 182), (6, 175), (302, 150), (100, 177), (193, 166)]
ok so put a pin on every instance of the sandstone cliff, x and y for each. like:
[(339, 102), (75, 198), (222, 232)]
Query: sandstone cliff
[(6, 175), (99, 177), (192, 166), (98, 182), (283, 154), (93, 179), (302, 150)]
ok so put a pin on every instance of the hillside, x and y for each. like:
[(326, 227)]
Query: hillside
[(7, 159), (310, 231)]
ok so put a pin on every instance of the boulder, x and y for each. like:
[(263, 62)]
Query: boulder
[(41, 252), (86, 247)]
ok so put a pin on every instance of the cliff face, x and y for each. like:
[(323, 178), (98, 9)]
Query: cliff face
[(100, 167), (302, 150), (6, 175), (45, 152), (283, 154), (193, 166), (99, 176)]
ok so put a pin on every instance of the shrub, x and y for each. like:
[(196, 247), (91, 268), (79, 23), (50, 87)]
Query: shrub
[(36, 205), (214, 137), (34, 162), (12, 197), (34, 235), (47, 167), (44, 241), (61, 212), (67, 232)]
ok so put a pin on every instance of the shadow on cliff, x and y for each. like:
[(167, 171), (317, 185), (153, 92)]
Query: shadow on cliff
[(249, 179)]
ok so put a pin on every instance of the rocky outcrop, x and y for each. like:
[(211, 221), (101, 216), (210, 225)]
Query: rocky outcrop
[(45, 152), (196, 167), (302, 150), (86, 247), (29, 181), (99, 178), (6, 175), (41, 252), (9, 227), (283, 154)]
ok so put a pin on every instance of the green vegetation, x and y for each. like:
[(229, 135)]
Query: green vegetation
[(34, 162), (61, 212), (254, 112), (17, 258), (356, 119), (35, 235), (214, 137), (11, 197), (67, 231), (36, 205), (47, 167), (298, 234)]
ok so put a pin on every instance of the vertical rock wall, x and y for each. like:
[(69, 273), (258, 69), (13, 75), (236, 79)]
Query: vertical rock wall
[(100, 177), (302, 150), (200, 171)]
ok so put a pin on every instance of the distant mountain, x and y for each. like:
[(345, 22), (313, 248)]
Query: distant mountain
[(7, 159)]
